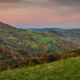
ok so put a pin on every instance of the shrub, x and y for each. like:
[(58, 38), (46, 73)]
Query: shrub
[(68, 55), (73, 54), (58, 55), (33, 62), (41, 61), (51, 58), (65, 56), (14, 66), (77, 51), (23, 63), (2, 68)]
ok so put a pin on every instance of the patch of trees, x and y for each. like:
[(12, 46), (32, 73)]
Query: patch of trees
[(47, 58)]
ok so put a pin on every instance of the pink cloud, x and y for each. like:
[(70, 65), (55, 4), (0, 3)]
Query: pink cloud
[(38, 15)]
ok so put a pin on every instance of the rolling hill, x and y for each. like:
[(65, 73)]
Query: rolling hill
[(22, 44), (54, 41), (61, 70), (43, 29)]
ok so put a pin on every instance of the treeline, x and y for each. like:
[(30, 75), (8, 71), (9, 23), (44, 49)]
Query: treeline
[(42, 59)]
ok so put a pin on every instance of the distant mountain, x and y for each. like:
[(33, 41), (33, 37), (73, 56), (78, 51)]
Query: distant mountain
[(43, 29)]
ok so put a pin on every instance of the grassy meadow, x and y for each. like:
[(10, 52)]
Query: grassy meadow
[(60, 70)]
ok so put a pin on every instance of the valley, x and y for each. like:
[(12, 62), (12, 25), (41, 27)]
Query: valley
[(19, 44)]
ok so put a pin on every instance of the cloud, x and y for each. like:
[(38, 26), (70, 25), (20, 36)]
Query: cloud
[(65, 2), (9, 1), (61, 12), (45, 2), (26, 1)]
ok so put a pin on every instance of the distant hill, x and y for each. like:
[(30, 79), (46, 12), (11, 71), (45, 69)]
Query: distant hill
[(60, 70), (43, 29), (74, 33)]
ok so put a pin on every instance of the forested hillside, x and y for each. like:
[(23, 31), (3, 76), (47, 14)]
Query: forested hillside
[(17, 44), (73, 33), (36, 43)]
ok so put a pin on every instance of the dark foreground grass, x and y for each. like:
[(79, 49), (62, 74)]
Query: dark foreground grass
[(60, 70)]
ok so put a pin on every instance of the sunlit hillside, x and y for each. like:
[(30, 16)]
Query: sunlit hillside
[(60, 70)]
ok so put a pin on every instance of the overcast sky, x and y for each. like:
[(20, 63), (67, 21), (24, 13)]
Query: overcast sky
[(41, 13)]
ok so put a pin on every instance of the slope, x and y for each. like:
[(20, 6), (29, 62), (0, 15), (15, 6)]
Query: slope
[(61, 70), (36, 43), (73, 33)]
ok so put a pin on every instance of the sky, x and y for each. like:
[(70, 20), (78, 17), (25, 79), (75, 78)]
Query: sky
[(40, 13)]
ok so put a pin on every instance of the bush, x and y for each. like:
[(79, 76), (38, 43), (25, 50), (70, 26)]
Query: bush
[(14, 66), (68, 55), (65, 56), (33, 62), (77, 51), (23, 63), (51, 58), (42, 59), (2, 68), (58, 55), (73, 55)]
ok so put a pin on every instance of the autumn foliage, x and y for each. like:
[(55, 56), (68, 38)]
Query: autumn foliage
[(39, 60)]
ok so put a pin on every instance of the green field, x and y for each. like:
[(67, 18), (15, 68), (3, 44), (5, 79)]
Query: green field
[(46, 40), (60, 70), (30, 33), (37, 35)]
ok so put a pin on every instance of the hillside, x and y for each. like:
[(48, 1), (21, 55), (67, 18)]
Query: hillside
[(60, 70), (74, 33), (17, 44), (14, 39)]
